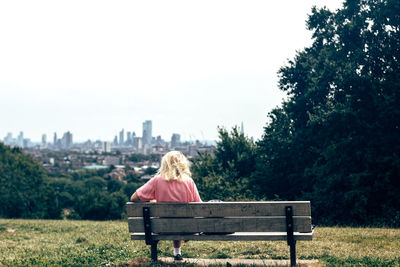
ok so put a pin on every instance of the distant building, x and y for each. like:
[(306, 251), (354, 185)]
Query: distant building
[(8, 140), (115, 142), (106, 147), (20, 140), (121, 137), (159, 141), (147, 133), (111, 160), (129, 138), (138, 142), (66, 140), (175, 140), (44, 140), (26, 142), (55, 139)]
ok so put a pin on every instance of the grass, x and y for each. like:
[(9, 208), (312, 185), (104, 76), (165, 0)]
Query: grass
[(92, 243)]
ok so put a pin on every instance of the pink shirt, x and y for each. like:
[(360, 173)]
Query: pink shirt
[(169, 191)]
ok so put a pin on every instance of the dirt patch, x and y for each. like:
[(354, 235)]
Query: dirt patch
[(141, 261), (233, 262)]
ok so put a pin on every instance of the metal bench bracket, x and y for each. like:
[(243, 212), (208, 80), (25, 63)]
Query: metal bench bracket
[(290, 237), (148, 233)]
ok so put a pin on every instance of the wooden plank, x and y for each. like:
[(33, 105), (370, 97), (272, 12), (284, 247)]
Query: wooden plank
[(227, 224), (219, 209), (231, 237)]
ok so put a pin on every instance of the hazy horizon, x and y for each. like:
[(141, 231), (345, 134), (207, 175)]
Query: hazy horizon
[(96, 67)]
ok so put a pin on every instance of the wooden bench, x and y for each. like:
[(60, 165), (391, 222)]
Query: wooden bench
[(221, 221)]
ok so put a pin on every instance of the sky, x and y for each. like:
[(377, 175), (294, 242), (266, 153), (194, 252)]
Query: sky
[(95, 67)]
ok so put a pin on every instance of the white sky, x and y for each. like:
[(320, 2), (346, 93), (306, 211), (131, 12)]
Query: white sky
[(95, 67)]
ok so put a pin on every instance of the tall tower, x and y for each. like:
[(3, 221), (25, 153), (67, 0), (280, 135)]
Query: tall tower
[(121, 137), (20, 139), (67, 140), (8, 139), (55, 139), (128, 138), (175, 140), (147, 132), (242, 129), (44, 140)]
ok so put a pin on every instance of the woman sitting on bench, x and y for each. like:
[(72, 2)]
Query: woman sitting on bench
[(172, 183)]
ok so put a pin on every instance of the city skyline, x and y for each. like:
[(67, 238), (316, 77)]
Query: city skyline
[(190, 67), (188, 137), (126, 141), (120, 138)]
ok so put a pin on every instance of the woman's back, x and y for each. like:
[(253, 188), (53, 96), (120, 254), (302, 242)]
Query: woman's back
[(162, 190)]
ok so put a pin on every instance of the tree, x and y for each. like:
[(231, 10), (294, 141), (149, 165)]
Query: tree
[(114, 185), (24, 189), (225, 175), (335, 139), (99, 205), (150, 171), (95, 183), (94, 205)]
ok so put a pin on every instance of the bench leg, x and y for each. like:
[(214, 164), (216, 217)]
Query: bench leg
[(154, 250), (293, 254)]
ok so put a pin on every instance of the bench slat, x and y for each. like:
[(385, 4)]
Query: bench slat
[(219, 209), (232, 237), (234, 224)]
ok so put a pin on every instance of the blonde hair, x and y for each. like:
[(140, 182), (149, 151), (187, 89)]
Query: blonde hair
[(175, 166)]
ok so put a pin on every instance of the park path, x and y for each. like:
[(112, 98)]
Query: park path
[(233, 262)]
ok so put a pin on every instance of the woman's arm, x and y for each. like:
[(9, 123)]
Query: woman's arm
[(135, 198)]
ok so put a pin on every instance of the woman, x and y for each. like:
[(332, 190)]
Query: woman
[(172, 183)]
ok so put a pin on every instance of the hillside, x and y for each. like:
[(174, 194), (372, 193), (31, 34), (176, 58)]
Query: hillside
[(107, 243)]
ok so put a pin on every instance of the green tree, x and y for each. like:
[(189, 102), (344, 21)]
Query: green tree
[(150, 171), (94, 205), (225, 175), (130, 188), (99, 205), (114, 185), (24, 189), (95, 183), (117, 206), (335, 139)]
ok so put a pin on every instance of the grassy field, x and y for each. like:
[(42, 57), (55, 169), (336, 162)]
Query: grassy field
[(90, 243)]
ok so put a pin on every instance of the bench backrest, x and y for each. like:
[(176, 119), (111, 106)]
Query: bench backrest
[(219, 217)]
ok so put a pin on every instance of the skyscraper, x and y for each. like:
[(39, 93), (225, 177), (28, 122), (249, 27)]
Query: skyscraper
[(55, 139), (121, 137), (67, 140), (8, 139), (20, 139), (44, 140), (175, 140), (147, 133), (128, 138)]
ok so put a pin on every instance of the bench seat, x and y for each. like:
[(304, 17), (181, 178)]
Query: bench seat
[(241, 236)]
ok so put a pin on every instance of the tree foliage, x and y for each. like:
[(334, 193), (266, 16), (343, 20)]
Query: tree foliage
[(27, 192), (336, 138), (24, 192), (225, 175)]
